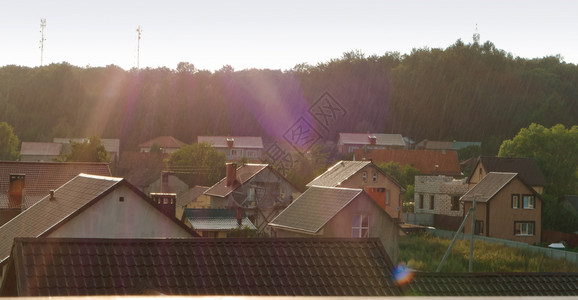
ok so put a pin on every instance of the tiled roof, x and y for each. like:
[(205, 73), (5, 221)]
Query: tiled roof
[(110, 145), (489, 186), (191, 195), (525, 167), (216, 219), (493, 284), (34, 148), (382, 139), (41, 177), (435, 145), (244, 173), (238, 141), (338, 173), (46, 213), (254, 266), (429, 162), (314, 208), (163, 142)]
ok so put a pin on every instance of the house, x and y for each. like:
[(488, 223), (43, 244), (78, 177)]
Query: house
[(525, 167), (38, 178), (165, 182), (506, 208), (216, 223), (439, 195), (51, 267), (193, 198), (236, 148), (441, 145), (112, 146), (348, 142), (33, 151), (365, 175), (167, 144), (504, 284), (337, 212), (428, 162), (259, 189), (90, 206)]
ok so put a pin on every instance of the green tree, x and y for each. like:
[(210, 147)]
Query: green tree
[(555, 150), (89, 150), (198, 158), (9, 142), (404, 175), (307, 166)]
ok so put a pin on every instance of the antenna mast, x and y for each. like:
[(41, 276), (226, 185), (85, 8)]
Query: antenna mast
[(139, 32), (42, 39)]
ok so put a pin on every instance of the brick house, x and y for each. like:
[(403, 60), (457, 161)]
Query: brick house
[(506, 208), (439, 195), (367, 176)]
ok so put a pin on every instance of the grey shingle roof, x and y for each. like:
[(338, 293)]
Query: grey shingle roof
[(244, 174), (191, 195), (258, 266), (41, 177), (381, 139), (314, 208), (253, 142), (489, 186), (338, 173), (494, 284), (35, 148), (215, 219)]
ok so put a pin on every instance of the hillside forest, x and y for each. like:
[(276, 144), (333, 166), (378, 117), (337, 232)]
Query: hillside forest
[(466, 92)]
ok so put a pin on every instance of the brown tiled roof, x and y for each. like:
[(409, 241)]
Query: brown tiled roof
[(493, 284), (255, 142), (34, 148), (314, 208), (338, 173), (258, 266), (525, 167), (163, 142), (382, 139), (429, 162), (244, 173), (41, 177), (488, 187)]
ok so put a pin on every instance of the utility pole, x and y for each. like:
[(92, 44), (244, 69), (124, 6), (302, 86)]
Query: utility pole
[(472, 230), (139, 32), (42, 39)]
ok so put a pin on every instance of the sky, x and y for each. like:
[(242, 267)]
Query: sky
[(266, 34)]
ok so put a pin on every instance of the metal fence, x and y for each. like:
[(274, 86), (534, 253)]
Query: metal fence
[(553, 253)]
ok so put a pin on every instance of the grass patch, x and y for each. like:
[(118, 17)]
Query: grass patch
[(425, 252)]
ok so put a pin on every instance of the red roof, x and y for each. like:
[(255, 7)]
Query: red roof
[(429, 162), (163, 142), (41, 177)]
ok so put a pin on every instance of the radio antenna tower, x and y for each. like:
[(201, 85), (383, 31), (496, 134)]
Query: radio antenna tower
[(139, 32), (42, 39)]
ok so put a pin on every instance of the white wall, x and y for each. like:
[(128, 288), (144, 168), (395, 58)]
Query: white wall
[(111, 218)]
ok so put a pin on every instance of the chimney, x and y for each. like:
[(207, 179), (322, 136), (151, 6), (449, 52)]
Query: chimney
[(165, 182), (16, 190), (239, 216), (372, 139), (231, 173), (230, 142), (166, 202)]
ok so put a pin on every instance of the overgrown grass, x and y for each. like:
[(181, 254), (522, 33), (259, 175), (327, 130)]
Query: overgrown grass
[(424, 253)]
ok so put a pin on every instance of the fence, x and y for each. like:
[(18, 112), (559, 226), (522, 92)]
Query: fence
[(418, 219), (553, 253)]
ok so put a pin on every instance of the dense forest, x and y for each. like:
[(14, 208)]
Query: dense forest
[(467, 92)]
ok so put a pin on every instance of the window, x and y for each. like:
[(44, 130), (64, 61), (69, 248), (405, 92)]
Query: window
[(236, 152), (364, 176), (455, 203), (524, 228), (431, 202), (387, 197), (120, 199), (360, 226), (529, 202), (421, 201), (251, 153), (515, 201), (374, 176), (479, 230)]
